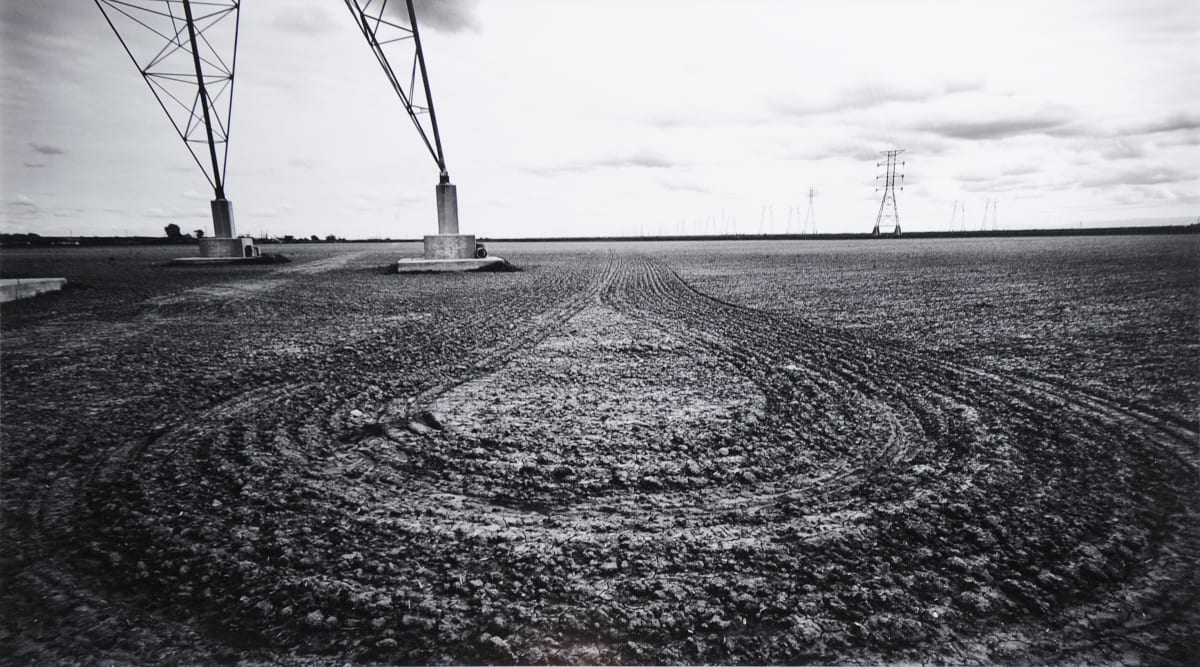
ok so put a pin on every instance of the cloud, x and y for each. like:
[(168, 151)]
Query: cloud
[(1174, 123), (994, 128), (46, 149), (1005, 184), (642, 160), (306, 19), (195, 213), (1148, 176), (1120, 149), (21, 200), (1021, 169), (685, 187), (444, 15), (871, 95)]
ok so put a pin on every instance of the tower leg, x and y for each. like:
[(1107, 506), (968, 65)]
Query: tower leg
[(223, 243), (448, 243), (447, 208), (222, 214)]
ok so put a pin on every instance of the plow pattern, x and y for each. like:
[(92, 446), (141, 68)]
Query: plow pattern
[(614, 467)]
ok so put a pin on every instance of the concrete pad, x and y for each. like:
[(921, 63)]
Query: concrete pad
[(206, 261), (419, 265), (12, 289)]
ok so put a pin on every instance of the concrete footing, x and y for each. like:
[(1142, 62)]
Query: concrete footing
[(450, 246), (417, 265), (228, 247), (12, 289), (222, 215), (204, 261), (219, 250), (448, 250)]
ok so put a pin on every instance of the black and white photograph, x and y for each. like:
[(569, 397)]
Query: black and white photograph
[(599, 332)]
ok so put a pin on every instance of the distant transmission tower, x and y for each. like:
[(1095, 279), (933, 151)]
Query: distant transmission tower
[(810, 218), (766, 219), (958, 218), (889, 192), (989, 205)]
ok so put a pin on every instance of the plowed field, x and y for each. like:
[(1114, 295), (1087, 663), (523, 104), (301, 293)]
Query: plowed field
[(903, 451)]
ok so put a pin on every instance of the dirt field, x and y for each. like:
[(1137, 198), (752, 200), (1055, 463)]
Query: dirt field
[(958, 451)]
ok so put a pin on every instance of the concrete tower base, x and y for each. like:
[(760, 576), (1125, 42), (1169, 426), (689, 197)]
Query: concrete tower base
[(223, 247), (450, 246), (448, 250), (223, 251)]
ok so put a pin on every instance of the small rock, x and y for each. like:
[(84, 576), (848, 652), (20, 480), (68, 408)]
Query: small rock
[(386, 643), (496, 643), (356, 414), (418, 428), (314, 619), (432, 420)]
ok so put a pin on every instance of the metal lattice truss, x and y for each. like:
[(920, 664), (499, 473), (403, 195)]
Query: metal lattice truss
[(186, 50), (394, 29), (888, 212)]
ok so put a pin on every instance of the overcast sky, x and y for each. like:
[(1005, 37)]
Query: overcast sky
[(598, 117)]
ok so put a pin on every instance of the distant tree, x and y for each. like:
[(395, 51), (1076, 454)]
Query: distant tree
[(314, 237), (331, 237), (288, 238), (199, 233), (173, 232)]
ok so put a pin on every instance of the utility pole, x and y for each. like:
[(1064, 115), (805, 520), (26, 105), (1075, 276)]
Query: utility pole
[(889, 192)]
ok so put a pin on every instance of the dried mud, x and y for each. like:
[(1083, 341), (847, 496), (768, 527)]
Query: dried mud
[(628, 455)]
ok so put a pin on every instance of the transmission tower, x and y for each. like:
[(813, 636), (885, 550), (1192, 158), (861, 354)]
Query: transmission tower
[(989, 205), (766, 219), (186, 51), (889, 192), (810, 218), (393, 30), (958, 218)]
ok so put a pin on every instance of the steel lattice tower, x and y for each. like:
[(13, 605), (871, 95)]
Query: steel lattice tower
[(385, 31), (889, 192), (989, 205), (810, 218), (186, 51), (396, 31)]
